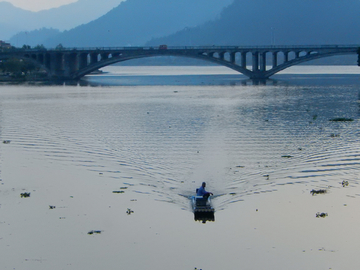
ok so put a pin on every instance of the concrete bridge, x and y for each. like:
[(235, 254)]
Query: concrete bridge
[(74, 63)]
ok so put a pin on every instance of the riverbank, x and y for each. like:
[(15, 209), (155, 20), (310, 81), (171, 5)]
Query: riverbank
[(24, 78)]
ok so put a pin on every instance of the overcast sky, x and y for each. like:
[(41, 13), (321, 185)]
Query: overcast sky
[(36, 5)]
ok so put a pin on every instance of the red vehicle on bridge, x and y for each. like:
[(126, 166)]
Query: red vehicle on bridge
[(163, 47)]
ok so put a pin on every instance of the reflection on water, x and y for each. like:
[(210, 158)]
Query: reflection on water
[(164, 140), (112, 167)]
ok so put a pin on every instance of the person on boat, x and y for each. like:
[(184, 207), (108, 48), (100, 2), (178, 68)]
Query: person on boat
[(202, 192)]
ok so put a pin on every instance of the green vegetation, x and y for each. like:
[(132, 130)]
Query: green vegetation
[(19, 69), (16, 66), (25, 195), (59, 47), (341, 119), (320, 191), (323, 215), (94, 232)]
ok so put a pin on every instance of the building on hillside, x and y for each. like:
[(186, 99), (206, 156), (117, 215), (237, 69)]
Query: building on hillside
[(4, 45)]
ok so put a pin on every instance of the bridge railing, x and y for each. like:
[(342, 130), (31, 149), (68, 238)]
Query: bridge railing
[(213, 47)]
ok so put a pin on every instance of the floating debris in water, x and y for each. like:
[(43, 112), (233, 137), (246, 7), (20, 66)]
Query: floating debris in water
[(341, 119), (320, 191), (123, 187), (267, 176), (25, 195), (240, 166), (345, 183), (118, 191), (323, 215), (333, 135), (52, 206), (6, 141), (286, 156), (129, 211), (94, 232)]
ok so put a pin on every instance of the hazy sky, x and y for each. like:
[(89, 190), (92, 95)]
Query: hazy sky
[(36, 5)]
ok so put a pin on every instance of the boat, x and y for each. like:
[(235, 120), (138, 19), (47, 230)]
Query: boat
[(202, 208)]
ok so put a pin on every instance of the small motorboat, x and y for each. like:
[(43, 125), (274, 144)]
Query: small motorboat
[(202, 208)]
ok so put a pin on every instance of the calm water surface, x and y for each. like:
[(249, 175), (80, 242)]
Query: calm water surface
[(260, 148)]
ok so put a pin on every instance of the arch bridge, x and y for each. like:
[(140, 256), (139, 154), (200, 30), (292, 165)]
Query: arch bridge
[(74, 63)]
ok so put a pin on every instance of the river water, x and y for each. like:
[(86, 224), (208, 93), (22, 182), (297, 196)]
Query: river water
[(154, 134)]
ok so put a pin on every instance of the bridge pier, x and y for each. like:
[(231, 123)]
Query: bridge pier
[(222, 55), (56, 65), (83, 60), (233, 58), (255, 61), (286, 56), (75, 63), (93, 58), (104, 56), (70, 64), (274, 59), (263, 61), (243, 59)]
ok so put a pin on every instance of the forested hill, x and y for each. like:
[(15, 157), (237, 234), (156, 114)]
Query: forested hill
[(277, 22), (134, 22)]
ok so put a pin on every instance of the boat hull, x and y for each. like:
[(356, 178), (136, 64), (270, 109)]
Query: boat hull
[(202, 209)]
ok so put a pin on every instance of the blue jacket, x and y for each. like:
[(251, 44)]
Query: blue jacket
[(201, 191)]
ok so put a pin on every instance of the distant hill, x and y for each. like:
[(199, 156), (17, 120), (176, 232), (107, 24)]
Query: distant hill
[(62, 18), (33, 38), (134, 22), (277, 22)]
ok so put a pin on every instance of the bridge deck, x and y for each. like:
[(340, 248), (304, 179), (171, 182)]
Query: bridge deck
[(74, 63)]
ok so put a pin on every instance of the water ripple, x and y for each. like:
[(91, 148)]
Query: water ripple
[(240, 140)]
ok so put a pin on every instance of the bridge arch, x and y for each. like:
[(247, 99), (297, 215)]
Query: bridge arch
[(75, 63), (113, 60), (302, 59), (227, 58)]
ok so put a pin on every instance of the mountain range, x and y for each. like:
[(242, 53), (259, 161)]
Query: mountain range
[(134, 22), (277, 22), (14, 20), (213, 22)]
